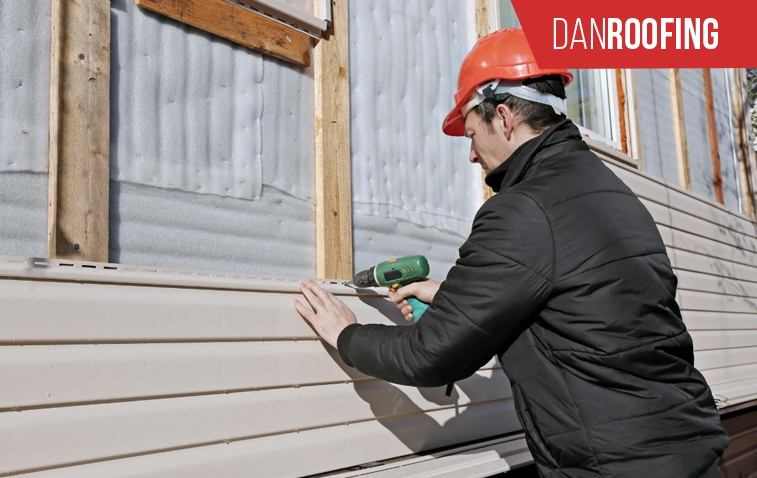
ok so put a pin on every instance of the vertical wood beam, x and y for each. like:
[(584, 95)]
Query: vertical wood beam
[(482, 29), (712, 130), (679, 128), (621, 110), (79, 147), (333, 182), (634, 121), (740, 111)]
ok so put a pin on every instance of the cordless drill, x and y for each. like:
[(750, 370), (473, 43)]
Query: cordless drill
[(394, 274)]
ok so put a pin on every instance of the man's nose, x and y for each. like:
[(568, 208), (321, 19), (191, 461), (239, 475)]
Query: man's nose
[(473, 158)]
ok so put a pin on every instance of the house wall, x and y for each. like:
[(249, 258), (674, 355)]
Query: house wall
[(24, 108)]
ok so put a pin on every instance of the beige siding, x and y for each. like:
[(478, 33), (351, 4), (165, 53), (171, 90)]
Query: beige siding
[(113, 378)]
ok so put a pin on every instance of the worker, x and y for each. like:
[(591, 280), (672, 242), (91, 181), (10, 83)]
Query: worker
[(564, 278)]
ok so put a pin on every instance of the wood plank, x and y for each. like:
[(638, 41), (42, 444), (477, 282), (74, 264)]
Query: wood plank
[(712, 130), (679, 127), (741, 112), (483, 28), (333, 182), (59, 436), (79, 159), (634, 119), (622, 115), (301, 453), (49, 375), (234, 22)]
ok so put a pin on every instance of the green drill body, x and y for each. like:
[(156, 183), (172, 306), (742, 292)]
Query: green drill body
[(394, 274)]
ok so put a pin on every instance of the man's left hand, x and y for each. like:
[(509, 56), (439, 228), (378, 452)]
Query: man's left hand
[(329, 315)]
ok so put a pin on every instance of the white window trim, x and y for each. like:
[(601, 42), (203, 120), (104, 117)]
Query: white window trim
[(608, 94), (290, 16)]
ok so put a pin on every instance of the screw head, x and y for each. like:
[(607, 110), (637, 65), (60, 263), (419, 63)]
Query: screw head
[(81, 56), (76, 247)]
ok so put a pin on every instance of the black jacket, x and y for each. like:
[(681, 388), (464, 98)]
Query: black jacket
[(566, 279)]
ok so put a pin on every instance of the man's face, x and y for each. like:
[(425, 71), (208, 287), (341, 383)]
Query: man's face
[(489, 146)]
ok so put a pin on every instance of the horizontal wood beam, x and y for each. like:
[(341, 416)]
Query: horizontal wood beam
[(79, 159), (234, 22)]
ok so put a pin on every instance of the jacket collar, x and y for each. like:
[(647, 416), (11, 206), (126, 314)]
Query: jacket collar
[(512, 171)]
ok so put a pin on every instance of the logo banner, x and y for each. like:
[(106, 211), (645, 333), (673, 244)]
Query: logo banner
[(640, 34)]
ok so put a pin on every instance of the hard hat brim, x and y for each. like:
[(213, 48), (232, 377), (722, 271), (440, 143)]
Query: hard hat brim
[(454, 123)]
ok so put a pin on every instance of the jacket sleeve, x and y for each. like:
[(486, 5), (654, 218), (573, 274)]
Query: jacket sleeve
[(496, 290)]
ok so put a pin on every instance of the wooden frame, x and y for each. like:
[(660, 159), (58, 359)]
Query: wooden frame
[(333, 182), (633, 140), (234, 22), (740, 112), (712, 130), (484, 25), (79, 147), (679, 128), (622, 114)]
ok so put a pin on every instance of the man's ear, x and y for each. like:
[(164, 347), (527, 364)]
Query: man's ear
[(505, 117)]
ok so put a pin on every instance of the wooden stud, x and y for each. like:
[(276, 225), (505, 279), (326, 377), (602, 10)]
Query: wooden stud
[(234, 22), (712, 130), (331, 69), (679, 127), (79, 146), (482, 29), (621, 110), (634, 122), (740, 111)]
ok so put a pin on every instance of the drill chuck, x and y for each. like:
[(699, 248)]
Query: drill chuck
[(366, 278)]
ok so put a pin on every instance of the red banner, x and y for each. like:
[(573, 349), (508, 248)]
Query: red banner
[(640, 34)]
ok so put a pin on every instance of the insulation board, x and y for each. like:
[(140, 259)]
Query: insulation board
[(24, 108), (697, 132), (655, 107), (722, 89), (413, 188), (211, 151)]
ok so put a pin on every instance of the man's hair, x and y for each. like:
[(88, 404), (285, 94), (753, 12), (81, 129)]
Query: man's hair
[(536, 116)]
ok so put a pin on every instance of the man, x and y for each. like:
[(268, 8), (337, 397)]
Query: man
[(564, 278)]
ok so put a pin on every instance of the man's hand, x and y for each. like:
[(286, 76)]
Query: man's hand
[(423, 291), (329, 315)]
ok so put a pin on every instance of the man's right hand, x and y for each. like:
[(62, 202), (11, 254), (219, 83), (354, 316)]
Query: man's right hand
[(423, 291)]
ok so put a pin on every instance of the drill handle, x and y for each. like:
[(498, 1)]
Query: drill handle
[(418, 307)]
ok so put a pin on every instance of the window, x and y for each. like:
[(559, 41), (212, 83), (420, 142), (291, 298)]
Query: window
[(592, 96)]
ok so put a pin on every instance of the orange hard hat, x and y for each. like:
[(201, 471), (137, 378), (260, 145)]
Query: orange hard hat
[(501, 55)]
